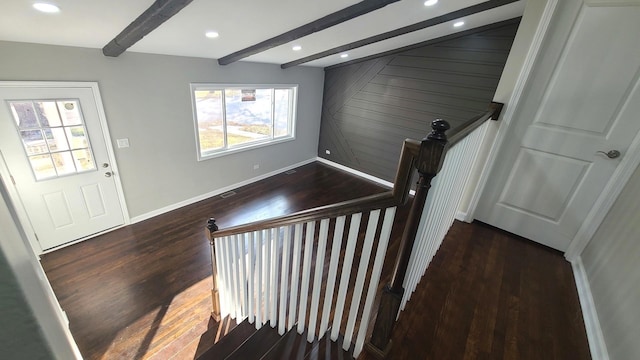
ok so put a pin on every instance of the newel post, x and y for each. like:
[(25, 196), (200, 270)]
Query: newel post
[(428, 163), (215, 297)]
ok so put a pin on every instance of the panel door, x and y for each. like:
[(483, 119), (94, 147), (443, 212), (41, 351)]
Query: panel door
[(52, 142), (582, 102)]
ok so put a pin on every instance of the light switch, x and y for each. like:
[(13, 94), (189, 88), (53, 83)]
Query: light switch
[(123, 143)]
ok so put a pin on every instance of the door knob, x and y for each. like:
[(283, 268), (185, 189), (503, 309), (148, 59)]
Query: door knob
[(611, 154), (108, 174), (105, 165)]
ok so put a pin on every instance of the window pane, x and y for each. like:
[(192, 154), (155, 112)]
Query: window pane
[(70, 112), (77, 137), (248, 120), (281, 112), (48, 113), (33, 142), (42, 166), (56, 139), (64, 163), (24, 114), (210, 120), (83, 160)]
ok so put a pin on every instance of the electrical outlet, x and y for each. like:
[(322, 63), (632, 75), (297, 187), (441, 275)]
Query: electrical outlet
[(123, 143), (256, 166), (328, 152)]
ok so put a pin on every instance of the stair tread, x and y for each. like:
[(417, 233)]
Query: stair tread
[(258, 344), (327, 349), (291, 346), (230, 342), (296, 346)]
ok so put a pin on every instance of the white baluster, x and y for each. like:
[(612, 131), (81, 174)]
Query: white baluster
[(275, 264), (317, 279), (365, 256), (284, 280), (266, 270), (235, 289), (295, 275), (306, 273), (333, 274), (381, 251), (251, 278), (352, 239), (242, 253), (258, 290)]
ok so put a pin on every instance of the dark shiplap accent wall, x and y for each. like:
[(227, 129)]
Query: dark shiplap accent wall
[(370, 107)]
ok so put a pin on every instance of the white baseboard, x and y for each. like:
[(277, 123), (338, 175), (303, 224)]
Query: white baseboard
[(216, 192), (359, 173), (356, 172), (463, 216), (597, 346)]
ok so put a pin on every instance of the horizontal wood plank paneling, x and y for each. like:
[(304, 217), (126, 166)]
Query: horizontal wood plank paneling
[(371, 106)]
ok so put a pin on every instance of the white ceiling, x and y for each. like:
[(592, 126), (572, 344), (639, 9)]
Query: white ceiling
[(240, 24)]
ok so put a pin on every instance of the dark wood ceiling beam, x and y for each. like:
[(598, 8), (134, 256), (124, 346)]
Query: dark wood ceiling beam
[(488, 5), (325, 22), (159, 12)]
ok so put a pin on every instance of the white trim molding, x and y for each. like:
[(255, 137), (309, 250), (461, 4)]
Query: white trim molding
[(355, 172), (597, 345), (605, 201), (511, 106)]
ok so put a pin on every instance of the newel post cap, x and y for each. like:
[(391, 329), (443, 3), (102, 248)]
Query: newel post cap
[(211, 225), (433, 149)]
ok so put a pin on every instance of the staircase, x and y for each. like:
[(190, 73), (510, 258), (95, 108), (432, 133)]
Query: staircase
[(305, 284), (244, 342)]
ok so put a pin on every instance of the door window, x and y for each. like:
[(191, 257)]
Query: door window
[(54, 137)]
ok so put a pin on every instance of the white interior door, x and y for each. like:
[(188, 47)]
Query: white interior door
[(583, 98), (53, 145)]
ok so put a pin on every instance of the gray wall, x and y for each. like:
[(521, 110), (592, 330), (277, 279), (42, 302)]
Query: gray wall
[(371, 107), (147, 99), (612, 263)]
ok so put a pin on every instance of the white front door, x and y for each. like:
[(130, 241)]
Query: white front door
[(52, 141), (583, 97)]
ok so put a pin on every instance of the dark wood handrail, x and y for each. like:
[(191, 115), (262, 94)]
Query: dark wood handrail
[(397, 196)]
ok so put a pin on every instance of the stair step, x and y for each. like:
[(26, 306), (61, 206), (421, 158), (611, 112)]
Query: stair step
[(291, 346), (325, 349), (257, 345), (230, 342), (295, 346)]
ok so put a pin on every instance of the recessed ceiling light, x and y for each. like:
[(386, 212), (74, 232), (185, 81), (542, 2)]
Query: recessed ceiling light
[(296, 48), (458, 24), (430, 2), (211, 34), (344, 56), (46, 8)]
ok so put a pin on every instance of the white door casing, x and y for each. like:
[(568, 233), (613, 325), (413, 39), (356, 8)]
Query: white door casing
[(62, 209), (583, 97)]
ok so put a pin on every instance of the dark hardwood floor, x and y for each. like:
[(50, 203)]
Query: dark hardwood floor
[(489, 294), (143, 291)]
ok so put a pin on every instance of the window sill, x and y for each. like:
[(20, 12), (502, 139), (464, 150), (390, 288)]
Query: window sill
[(217, 154)]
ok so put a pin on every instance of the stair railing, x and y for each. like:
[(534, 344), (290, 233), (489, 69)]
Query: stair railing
[(274, 271)]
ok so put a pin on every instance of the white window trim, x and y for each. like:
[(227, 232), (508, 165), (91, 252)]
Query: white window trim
[(293, 105)]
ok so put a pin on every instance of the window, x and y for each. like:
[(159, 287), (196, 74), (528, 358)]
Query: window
[(53, 136), (239, 117)]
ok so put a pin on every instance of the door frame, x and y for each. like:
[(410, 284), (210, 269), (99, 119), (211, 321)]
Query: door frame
[(25, 222), (619, 178)]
